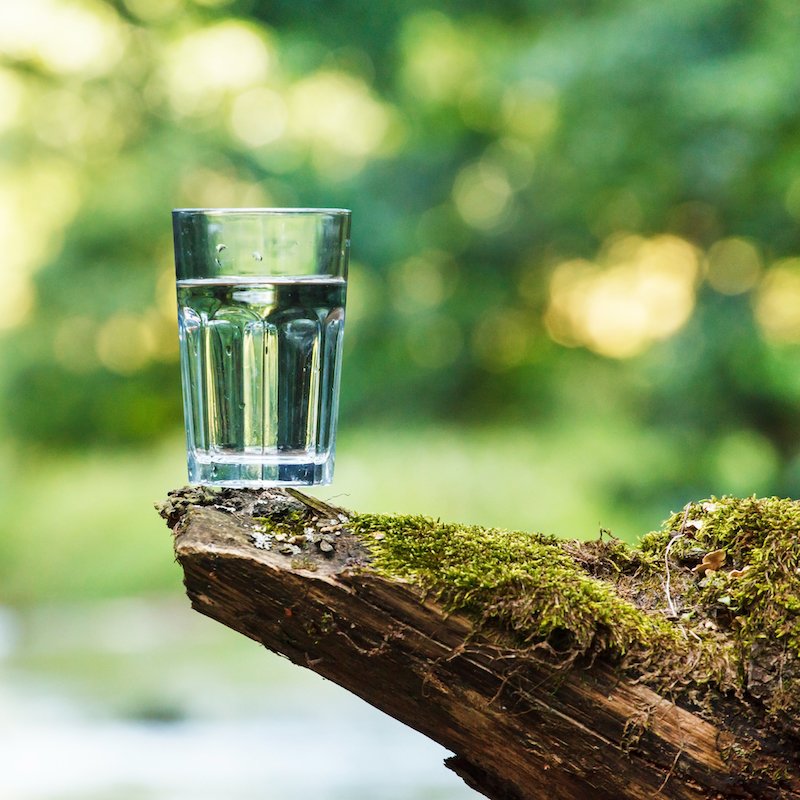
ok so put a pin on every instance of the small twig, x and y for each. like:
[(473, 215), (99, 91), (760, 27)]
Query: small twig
[(675, 538), (671, 772), (315, 504), (677, 755)]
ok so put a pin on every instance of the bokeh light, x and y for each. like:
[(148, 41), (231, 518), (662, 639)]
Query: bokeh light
[(502, 339), (744, 462), (153, 10), (482, 194), (643, 291), (221, 188), (36, 203), (125, 343), (777, 303), (206, 64), (733, 266), (259, 117), (70, 38), (530, 110), (439, 58), (336, 116), (424, 281)]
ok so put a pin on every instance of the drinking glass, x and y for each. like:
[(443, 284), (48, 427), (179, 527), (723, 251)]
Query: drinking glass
[(261, 298)]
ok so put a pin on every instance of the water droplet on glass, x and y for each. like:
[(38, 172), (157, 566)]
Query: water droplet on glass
[(257, 256), (220, 248)]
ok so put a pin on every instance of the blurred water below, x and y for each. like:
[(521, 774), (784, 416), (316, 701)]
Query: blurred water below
[(146, 700)]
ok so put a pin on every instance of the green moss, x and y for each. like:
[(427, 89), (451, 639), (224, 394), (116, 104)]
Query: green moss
[(525, 590), (754, 599), (736, 628)]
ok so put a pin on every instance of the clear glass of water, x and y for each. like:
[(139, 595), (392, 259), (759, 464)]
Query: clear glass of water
[(261, 298)]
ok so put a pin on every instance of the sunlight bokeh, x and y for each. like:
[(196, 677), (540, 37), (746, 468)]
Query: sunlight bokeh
[(83, 39), (777, 302), (643, 291)]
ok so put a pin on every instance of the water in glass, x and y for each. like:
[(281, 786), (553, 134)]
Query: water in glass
[(261, 362)]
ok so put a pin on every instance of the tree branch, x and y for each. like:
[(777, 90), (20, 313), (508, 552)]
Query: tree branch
[(523, 720)]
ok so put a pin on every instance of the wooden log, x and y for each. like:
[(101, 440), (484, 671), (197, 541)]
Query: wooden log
[(524, 722)]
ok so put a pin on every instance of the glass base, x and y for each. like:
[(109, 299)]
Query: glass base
[(251, 473)]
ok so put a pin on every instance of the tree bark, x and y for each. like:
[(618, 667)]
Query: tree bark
[(522, 726)]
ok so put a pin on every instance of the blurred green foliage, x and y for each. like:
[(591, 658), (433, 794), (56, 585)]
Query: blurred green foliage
[(562, 212)]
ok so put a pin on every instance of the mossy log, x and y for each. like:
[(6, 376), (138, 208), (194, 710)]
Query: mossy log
[(551, 668)]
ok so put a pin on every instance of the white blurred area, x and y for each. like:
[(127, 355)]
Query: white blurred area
[(132, 699)]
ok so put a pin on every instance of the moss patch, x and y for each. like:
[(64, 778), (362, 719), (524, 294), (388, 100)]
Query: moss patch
[(711, 603), (752, 602)]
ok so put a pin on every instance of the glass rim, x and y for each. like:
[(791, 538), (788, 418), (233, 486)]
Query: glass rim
[(266, 212)]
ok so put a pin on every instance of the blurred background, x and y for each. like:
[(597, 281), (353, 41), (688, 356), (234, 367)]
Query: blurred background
[(574, 302)]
